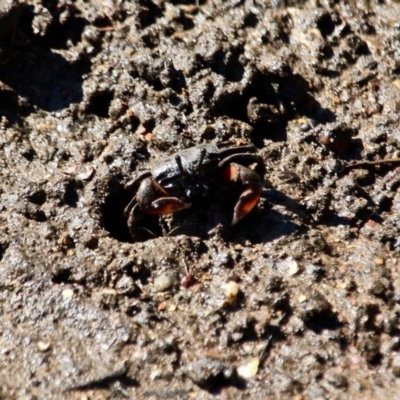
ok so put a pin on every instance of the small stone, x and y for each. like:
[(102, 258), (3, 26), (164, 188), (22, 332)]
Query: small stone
[(378, 289), (66, 241), (108, 292), (232, 288), (126, 286), (117, 107), (249, 370), (162, 306), (188, 280), (165, 282), (71, 170), (67, 293), (341, 286), (396, 366), (85, 172), (148, 137), (379, 261), (302, 298), (232, 291), (396, 83), (293, 267), (396, 371), (43, 346), (15, 283), (338, 381)]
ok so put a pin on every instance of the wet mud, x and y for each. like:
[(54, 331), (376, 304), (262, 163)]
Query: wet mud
[(299, 300)]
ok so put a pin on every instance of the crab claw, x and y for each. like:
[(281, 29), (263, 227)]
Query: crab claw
[(165, 205), (155, 200), (252, 184)]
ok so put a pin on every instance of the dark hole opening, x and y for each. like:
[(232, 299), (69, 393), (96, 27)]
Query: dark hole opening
[(325, 25), (114, 220), (149, 12), (38, 197), (251, 20), (71, 196), (61, 276), (385, 204), (100, 103), (3, 248)]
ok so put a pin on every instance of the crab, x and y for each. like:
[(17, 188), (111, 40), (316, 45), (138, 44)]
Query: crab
[(175, 182)]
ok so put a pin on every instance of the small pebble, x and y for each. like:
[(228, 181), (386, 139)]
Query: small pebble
[(338, 381), (65, 241), (397, 83), (249, 370), (188, 280), (396, 366), (109, 292), (86, 172), (126, 285), (232, 291), (293, 267), (67, 293), (341, 285), (396, 371), (43, 346), (165, 282), (302, 298)]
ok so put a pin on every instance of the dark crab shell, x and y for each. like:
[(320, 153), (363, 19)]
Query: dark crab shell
[(167, 170)]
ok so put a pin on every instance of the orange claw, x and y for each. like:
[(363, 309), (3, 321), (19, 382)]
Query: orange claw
[(155, 200), (165, 205), (247, 201), (252, 189)]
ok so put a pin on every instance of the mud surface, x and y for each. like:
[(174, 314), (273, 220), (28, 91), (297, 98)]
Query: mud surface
[(300, 300)]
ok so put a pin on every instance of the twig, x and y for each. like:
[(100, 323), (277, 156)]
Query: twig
[(264, 350), (372, 163)]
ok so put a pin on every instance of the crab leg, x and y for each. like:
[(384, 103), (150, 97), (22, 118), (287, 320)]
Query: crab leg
[(155, 200), (252, 189)]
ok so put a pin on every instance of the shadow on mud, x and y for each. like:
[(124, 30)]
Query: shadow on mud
[(261, 225), (33, 74), (269, 102)]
